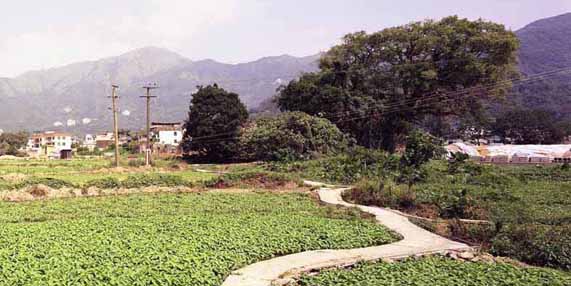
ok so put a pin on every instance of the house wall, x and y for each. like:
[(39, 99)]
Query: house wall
[(62, 142), (170, 137), (49, 144)]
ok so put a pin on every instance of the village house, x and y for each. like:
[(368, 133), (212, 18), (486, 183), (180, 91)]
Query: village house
[(89, 142), (50, 144), (104, 140), (167, 136)]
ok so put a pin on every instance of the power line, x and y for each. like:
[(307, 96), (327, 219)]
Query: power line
[(467, 91), (394, 108)]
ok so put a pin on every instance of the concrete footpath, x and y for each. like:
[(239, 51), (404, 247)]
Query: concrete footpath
[(416, 241)]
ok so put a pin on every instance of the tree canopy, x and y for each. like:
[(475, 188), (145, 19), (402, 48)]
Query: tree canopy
[(529, 127), (376, 86), (11, 143), (290, 136), (213, 123)]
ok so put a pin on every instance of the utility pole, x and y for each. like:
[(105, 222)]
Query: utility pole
[(115, 122), (148, 150)]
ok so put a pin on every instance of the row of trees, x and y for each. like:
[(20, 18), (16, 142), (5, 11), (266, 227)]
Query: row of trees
[(219, 129), (374, 90), (515, 126)]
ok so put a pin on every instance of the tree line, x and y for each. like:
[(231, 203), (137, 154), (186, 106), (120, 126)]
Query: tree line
[(375, 90)]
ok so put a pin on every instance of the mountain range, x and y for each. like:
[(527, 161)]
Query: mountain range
[(75, 97), (546, 47)]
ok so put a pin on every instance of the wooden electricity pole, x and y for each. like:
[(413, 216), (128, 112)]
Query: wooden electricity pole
[(115, 122), (148, 147)]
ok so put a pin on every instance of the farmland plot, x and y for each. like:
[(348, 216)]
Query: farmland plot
[(167, 239), (437, 271)]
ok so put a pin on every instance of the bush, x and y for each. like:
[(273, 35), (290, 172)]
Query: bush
[(158, 180), (104, 183), (347, 168), (420, 149), (290, 136), (543, 245), (84, 151), (136, 163), (50, 182), (381, 193), (256, 179)]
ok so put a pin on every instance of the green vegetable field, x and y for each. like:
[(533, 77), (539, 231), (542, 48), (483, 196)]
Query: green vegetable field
[(167, 239), (437, 271), (81, 173)]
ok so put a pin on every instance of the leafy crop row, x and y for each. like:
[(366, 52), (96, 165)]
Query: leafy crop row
[(166, 239), (437, 271)]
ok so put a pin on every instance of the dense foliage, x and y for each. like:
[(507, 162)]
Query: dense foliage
[(529, 127), (11, 143), (530, 207), (347, 168), (190, 239), (213, 123), (437, 271), (420, 148), (375, 86), (290, 136)]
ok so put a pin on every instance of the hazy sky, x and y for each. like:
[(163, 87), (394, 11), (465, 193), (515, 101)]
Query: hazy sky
[(38, 34)]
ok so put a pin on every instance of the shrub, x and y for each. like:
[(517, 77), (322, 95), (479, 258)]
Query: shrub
[(347, 168), (290, 136), (381, 193), (256, 179), (158, 180), (543, 245), (50, 182), (420, 149), (136, 163), (104, 183)]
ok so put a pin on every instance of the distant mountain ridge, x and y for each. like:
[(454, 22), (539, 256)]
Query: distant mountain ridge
[(74, 97), (546, 46)]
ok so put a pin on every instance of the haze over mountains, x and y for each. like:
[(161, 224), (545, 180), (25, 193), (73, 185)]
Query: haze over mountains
[(75, 97)]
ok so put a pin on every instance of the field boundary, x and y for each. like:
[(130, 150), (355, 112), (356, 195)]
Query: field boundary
[(416, 242)]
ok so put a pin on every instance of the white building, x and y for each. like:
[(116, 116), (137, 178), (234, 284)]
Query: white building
[(167, 134), (89, 142), (50, 144)]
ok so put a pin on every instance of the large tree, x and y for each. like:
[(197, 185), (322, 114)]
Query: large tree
[(377, 86), (213, 124), (291, 136)]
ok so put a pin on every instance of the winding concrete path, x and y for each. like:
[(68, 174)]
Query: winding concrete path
[(416, 241)]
